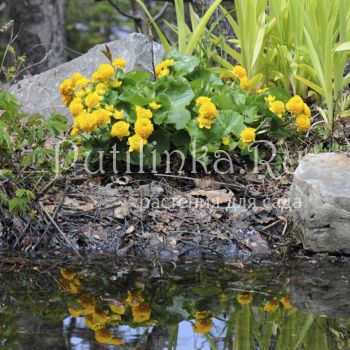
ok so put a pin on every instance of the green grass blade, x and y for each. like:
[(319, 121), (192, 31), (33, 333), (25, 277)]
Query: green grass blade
[(201, 27)]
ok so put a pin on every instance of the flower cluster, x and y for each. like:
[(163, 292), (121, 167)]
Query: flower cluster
[(300, 110), (100, 318), (117, 108), (241, 74), (269, 306), (296, 106), (86, 97), (207, 112)]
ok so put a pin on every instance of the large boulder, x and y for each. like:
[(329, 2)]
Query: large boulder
[(320, 196), (39, 93)]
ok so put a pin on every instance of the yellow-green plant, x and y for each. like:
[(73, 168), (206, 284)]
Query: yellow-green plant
[(327, 38), (187, 38), (250, 28)]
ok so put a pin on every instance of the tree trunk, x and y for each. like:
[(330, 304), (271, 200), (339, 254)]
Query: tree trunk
[(142, 19), (42, 27)]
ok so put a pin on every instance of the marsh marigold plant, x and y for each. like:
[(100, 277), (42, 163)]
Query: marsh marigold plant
[(180, 104)]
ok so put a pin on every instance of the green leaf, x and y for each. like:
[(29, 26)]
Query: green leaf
[(162, 141), (343, 47), (136, 76), (231, 122), (183, 64), (141, 94), (180, 95)]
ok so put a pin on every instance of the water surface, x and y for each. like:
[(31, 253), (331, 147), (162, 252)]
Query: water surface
[(135, 305)]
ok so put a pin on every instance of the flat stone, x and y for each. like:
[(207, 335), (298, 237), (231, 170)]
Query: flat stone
[(320, 198), (39, 93)]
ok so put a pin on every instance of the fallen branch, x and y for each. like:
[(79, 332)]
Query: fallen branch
[(58, 229)]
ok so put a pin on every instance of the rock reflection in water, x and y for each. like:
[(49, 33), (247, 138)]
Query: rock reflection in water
[(185, 307)]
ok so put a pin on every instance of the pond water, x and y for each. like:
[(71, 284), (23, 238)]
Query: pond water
[(110, 304)]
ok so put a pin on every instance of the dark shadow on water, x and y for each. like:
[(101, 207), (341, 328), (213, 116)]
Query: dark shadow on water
[(134, 305)]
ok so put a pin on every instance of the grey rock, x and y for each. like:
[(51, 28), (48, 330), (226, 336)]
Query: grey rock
[(320, 199), (321, 289), (39, 93)]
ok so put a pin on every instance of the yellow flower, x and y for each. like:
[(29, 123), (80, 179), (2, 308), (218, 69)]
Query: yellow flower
[(244, 298), (118, 308), (120, 129), (136, 143), (91, 323), (269, 99), (82, 93), (134, 298), (74, 286), (286, 302), (93, 100), (109, 108), (244, 83), (239, 72), (278, 108), (76, 107), (118, 115), (88, 304), (306, 110), (116, 83), (208, 110), (66, 87), (295, 105), (102, 117), (86, 122), (100, 317), (66, 90), (104, 72), (115, 317), (143, 112), (302, 123), (68, 274), (141, 312), (74, 311), (103, 336), (201, 315), (272, 305), (76, 77), (82, 82), (204, 122), (74, 131), (119, 63), (226, 140), (248, 136), (154, 105), (101, 88), (144, 128), (162, 69), (201, 100), (203, 326)]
